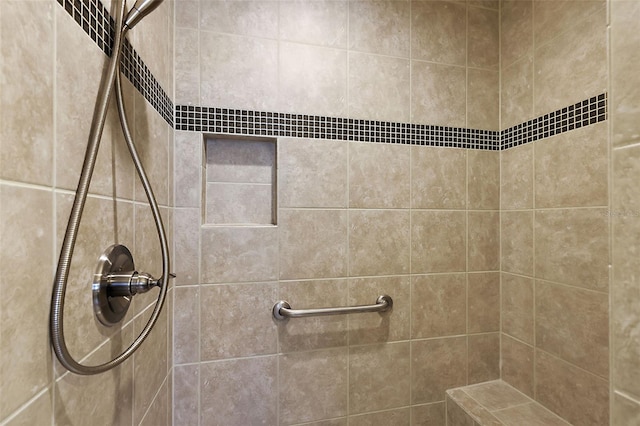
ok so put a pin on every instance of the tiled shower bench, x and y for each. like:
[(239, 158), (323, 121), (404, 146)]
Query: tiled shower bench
[(496, 403)]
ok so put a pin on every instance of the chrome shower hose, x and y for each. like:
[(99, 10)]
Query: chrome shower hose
[(111, 77)]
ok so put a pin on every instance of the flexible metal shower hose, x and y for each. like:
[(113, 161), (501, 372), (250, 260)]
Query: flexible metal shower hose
[(62, 274)]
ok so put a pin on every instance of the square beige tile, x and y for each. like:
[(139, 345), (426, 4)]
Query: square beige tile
[(517, 242), (249, 18), (379, 176), (483, 241), (313, 243), (438, 177), (438, 305), (438, 241), (371, 255), (428, 414), (323, 392), (516, 30), (438, 32), (483, 40), (483, 106), (379, 377), (517, 364), (483, 302), (516, 94), (446, 367), (431, 103), (399, 417), (186, 407), (625, 411), (316, 22), (518, 307), (483, 357), (483, 180), (390, 34), (186, 322)]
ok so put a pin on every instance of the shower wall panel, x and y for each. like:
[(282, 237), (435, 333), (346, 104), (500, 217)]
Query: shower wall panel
[(51, 69)]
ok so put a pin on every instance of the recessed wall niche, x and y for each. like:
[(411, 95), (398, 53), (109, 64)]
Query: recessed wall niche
[(240, 181)]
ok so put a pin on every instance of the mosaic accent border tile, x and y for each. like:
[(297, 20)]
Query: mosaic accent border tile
[(581, 114), (258, 123), (96, 21)]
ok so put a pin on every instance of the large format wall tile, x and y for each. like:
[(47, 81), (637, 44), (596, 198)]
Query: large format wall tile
[(573, 324), (446, 368), (517, 242), (313, 243), (380, 27), (516, 178), (517, 364), (577, 396), (317, 22), (483, 241), (438, 241), (483, 109), (438, 305), (517, 307), (438, 178), (571, 247), (516, 30), (483, 176), (372, 186), (483, 302), (249, 18), (438, 94), (483, 41), (371, 255), (572, 168), (444, 39)]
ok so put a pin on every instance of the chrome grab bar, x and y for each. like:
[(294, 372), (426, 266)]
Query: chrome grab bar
[(282, 310)]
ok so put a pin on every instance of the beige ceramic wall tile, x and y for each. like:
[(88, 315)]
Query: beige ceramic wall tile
[(334, 422), (583, 315), (553, 17), (187, 13), (313, 243), (314, 332), (438, 178), (438, 32), (379, 377), (557, 84), (27, 103), (446, 369), (240, 203), (235, 254), (249, 18), (438, 305), (312, 173), (186, 338), (38, 412), (146, 252), (483, 109), (572, 248), (187, 246), (577, 396), (378, 87), (483, 39), (483, 357), (152, 42), (380, 27), (157, 414), (238, 72), (312, 80), (483, 302), (244, 330), (240, 160), (314, 22), (82, 332), (151, 135), (516, 30), (75, 397), (186, 409), (483, 241), (372, 185), (382, 327), (428, 414), (516, 180), (438, 241), (489, 4), (517, 242), (517, 364), (624, 410), (77, 89), (371, 255), (26, 361), (438, 94), (239, 392), (187, 65), (150, 365), (323, 393), (625, 60), (624, 289), (483, 180), (188, 166), (572, 168), (517, 307), (399, 417), (516, 93)]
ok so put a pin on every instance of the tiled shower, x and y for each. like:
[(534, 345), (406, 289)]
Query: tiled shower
[(475, 160)]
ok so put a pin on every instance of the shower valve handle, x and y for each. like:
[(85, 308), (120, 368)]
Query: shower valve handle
[(129, 284)]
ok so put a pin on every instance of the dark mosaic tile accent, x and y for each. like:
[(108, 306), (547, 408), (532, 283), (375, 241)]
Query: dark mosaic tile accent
[(259, 123), (96, 21), (590, 111)]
